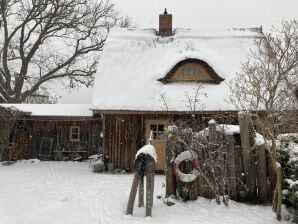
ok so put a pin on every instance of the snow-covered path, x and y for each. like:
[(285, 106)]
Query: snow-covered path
[(69, 193)]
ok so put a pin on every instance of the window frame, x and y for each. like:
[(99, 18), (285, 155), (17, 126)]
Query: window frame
[(71, 139), (158, 134)]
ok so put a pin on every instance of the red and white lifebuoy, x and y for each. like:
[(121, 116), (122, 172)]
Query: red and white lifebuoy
[(191, 156)]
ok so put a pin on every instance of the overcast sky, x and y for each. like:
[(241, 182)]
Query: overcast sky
[(199, 14)]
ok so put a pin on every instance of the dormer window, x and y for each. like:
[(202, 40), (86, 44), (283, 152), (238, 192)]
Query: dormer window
[(192, 70)]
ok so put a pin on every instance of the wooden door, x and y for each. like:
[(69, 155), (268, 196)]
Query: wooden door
[(159, 140)]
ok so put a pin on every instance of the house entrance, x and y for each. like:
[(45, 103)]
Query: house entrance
[(159, 140)]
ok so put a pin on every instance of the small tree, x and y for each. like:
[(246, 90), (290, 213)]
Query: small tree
[(265, 86), (50, 39)]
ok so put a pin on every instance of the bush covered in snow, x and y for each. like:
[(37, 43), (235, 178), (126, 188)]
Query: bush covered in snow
[(288, 149)]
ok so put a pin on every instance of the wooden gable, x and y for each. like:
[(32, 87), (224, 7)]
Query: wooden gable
[(192, 70)]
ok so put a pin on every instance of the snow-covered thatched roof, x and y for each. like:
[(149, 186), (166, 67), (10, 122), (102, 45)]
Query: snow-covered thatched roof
[(134, 60), (53, 110)]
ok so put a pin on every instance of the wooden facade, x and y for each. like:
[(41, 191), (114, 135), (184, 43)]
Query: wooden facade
[(125, 132), (49, 138)]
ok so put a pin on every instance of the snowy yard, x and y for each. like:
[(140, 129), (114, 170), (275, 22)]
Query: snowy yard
[(69, 193)]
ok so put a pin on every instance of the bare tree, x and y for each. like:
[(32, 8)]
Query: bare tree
[(165, 101), (50, 39), (126, 22), (42, 95), (193, 100), (265, 86)]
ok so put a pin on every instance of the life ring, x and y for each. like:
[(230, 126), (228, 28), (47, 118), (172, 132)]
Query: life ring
[(187, 155)]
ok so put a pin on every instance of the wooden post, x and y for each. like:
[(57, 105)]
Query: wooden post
[(149, 193), (272, 178), (170, 177), (133, 193), (247, 144), (141, 192), (170, 181), (143, 163), (150, 168), (231, 167), (262, 174), (193, 189), (239, 172), (212, 131), (199, 186)]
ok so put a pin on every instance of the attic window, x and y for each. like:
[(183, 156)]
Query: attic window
[(74, 133), (192, 70)]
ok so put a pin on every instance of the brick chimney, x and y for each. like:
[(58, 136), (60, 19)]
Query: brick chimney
[(165, 24)]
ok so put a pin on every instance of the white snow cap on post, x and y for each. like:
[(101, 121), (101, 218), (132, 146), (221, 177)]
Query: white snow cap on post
[(147, 150), (212, 121)]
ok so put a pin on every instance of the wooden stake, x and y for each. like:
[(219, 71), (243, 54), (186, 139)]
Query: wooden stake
[(133, 193), (141, 192), (149, 193)]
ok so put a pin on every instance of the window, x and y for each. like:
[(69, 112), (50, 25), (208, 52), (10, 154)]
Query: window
[(158, 131), (192, 70), (74, 133)]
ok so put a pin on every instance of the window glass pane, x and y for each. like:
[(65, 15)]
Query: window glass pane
[(190, 71), (161, 135), (75, 130), (153, 127), (161, 127), (154, 135), (74, 133)]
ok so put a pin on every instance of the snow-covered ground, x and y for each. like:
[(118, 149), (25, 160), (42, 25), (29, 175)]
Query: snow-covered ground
[(69, 193)]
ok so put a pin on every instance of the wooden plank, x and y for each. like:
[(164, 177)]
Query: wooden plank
[(141, 192), (239, 172), (262, 174), (133, 192), (272, 178), (247, 144), (170, 181), (231, 160)]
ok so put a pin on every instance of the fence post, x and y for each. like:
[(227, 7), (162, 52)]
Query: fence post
[(170, 177), (150, 168), (247, 145), (231, 167), (262, 174), (212, 131), (141, 192)]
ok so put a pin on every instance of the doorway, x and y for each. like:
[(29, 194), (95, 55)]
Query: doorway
[(158, 128)]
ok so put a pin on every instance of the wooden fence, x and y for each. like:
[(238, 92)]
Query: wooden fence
[(245, 167)]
